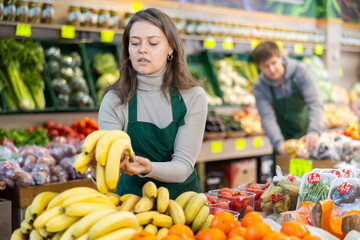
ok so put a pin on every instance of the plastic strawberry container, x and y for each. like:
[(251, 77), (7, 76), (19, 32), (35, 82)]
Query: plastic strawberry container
[(258, 193), (241, 205)]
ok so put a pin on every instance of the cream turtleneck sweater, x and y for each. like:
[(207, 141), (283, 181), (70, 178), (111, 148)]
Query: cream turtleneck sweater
[(153, 107)]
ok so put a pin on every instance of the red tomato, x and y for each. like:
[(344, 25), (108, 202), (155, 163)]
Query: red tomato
[(239, 202), (225, 193), (222, 204), (255, 188), (210, 199)]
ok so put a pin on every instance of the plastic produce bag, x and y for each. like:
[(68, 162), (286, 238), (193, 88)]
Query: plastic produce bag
[(353, 235), (300, 215), (345, 193), (58, 174), (282, 194)]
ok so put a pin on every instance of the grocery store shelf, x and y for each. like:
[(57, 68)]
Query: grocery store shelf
[(350, 49), (234, 148), (53, 32)]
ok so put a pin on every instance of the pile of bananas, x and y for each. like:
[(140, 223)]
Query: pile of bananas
[(81, 213), (103, 150)]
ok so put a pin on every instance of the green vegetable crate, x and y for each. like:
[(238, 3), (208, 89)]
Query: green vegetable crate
[(68, 48)]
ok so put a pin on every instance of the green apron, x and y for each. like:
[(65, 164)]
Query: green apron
[(292, 115), (156, 144)]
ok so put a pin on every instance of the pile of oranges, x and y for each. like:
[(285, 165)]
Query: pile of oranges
[(225, 227)]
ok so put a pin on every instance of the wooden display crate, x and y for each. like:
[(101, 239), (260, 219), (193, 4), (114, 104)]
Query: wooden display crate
[(22, 197), (5, 218)]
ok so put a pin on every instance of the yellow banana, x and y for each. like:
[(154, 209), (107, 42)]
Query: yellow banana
[(57, 235), (60, 223), (85, 168), (162, 200), (104, 143), (145, 217), (184, 198), (100, 178), (112, 168), (143, 205), (45, 234), (85, 223), (46, 216), (59, 199), (25, 227), (140, 228), (129, 203), (162, 233), (151, 228), (67, 235), (207, 223), (91, 140), (123, 234), (28, 217), (18, 235), (40, 202), (115, 198), (124, 197), (85, 198), (162, 220), (113, 222), (35, 235), (193, 207), (83, 160), (176, 212), (200, 218), (84, 208), (149, 190), (85, 236)]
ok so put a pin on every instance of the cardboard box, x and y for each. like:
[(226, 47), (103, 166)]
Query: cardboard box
[(22, 197), (284, 163), (5, 218), (239, 172)]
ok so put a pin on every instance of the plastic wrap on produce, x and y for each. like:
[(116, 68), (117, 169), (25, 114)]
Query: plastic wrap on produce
[(353, 235), (345, 193), (321, 233)]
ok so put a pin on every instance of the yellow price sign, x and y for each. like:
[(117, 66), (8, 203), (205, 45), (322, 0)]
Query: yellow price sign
[(341, 72), (318, 49), (298, 48), (216, 146), (107, 36), (240, 144), (23, 30), (228, 44), (299, 167), (254, 43), (136, 6), (209, 43), (68, 32), (258, 142), (280, 45)]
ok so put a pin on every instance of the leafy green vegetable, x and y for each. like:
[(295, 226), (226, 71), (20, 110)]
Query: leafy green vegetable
[(105, 63), (23, 137)]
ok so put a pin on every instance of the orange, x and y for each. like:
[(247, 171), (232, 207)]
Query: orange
[(224, 221), (275, 236), (257, 230), (293, 228), (238, 231), (145, 235), (236, 238), (251, 217), (211, 234), (181, 230), (294, 238), (311, 237), (173, 237)]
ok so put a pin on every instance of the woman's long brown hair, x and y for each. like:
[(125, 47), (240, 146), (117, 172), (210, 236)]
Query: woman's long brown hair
[(176, 74)]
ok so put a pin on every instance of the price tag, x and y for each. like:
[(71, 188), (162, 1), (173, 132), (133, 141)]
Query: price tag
[(299, 167), (319, 49), (341, 72), (23, 30), (107, 36), (68, 32), (280, 45), (209, 43), (240, 144), (298, 48), (254, 43), (258, 142), (228, 44), (216, 146), (136, 6)]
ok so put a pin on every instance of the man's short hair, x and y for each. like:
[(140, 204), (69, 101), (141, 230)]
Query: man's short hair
[(264, 51)]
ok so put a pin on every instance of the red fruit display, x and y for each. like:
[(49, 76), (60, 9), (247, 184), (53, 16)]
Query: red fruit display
[(255, 188), (239, 202), (211, 199), (222, 204), (225, 193)]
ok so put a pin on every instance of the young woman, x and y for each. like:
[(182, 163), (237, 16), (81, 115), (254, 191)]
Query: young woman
[(158, 103)]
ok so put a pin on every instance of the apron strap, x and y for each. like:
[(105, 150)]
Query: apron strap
[(133, 108), (176, 105)]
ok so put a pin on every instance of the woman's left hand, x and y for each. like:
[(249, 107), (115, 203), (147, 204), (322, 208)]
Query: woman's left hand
[(139, 166)]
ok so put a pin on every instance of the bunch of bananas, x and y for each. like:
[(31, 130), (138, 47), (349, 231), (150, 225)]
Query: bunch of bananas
[(103, 150), (81, 213)]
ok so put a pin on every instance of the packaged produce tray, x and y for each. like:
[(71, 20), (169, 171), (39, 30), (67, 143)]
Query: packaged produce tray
[(22, 197), (66, 48)]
